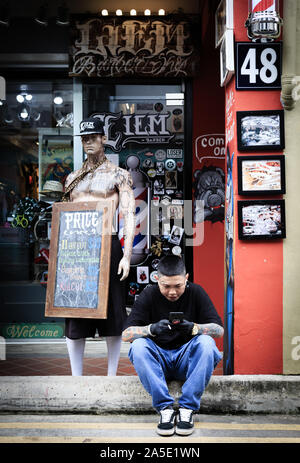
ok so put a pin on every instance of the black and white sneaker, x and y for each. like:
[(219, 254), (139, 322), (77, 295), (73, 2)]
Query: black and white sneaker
[(166, 425), (185, 423)]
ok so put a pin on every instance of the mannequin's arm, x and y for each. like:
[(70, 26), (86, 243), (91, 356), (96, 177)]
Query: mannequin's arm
[(127, 209)]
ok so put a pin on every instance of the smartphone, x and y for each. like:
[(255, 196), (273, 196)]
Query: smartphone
[(175, 317)]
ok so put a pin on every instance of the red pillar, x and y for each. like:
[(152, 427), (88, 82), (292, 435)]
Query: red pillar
[(258, 266)]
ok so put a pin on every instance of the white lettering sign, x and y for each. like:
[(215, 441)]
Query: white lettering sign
[(121, 129)]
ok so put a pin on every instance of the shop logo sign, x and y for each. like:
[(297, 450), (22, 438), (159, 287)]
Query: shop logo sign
[(121, 129), (118, 47)]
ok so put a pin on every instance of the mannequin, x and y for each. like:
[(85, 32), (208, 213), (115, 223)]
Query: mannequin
[(100, 179)]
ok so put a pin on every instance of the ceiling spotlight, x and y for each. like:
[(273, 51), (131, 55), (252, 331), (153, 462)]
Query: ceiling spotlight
[(4, 15), (147, 12), (42, 17), (161, 12), (133, 12), (104, 13), (58, 100), (119, 12), (24, 113), (63, 17), (20, 98)]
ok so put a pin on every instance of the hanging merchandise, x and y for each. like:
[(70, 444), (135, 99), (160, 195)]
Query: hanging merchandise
[(24, 213)]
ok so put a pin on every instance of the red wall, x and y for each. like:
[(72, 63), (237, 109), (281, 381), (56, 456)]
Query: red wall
[(258, 265), (208, 118)]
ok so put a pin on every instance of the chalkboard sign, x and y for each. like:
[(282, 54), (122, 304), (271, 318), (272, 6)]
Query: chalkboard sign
[(79, 259)]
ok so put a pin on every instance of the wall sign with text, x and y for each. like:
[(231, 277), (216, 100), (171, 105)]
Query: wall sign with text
[(106, 47), (258, 65), (79, 262)]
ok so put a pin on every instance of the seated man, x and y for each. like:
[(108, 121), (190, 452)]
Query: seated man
[(185, 351)]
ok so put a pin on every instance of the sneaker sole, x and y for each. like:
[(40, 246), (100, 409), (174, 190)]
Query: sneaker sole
[(184, 432), (165, 432)]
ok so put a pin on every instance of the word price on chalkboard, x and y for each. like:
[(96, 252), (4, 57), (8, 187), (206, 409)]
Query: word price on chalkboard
[(79, 260), (258, 65)]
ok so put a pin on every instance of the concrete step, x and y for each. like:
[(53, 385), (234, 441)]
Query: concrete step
[(103, 394)]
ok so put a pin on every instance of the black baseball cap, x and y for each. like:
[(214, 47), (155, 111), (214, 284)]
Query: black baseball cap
[(91, 125)]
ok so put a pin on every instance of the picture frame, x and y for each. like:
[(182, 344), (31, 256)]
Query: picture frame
[(260, 130), (223, 20), (79, 263), (227, 58), (261, 175), (176, 235), (261, 219), (171, 180)]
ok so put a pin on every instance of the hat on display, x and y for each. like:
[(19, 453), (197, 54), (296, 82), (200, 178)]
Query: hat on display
[(52, 187), (91, 125)]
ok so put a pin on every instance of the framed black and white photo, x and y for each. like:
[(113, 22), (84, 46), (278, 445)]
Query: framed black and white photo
[(261, 219), (261, 174), (260, 130), (223, 20), (227, 58)]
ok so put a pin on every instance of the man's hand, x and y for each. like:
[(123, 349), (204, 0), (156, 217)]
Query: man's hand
[(161, 327), (124, 266), (185, 327)]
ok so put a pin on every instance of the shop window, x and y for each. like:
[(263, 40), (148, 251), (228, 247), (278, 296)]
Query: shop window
[(36, 144), (144, 126)]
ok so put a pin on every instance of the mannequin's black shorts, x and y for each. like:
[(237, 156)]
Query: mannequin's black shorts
[(76, 328)]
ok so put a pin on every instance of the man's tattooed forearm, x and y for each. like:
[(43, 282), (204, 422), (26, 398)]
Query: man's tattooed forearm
[(134, 332), (212, 329)]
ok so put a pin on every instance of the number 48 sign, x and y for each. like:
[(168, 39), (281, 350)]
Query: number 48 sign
[(258, 65)]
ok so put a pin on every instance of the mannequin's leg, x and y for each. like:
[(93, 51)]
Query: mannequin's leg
[(113, 354), (76, 351)]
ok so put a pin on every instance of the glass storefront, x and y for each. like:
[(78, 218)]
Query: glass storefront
[(144, 125)]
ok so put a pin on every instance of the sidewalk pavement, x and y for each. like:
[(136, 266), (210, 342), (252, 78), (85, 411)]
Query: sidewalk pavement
[(58, 392), (48, 358)]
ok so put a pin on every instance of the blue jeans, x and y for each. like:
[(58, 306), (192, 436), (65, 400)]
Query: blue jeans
[(193, 363)]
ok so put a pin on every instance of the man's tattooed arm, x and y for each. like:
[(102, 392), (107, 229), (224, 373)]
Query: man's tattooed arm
[(212, 329), (134, 332)]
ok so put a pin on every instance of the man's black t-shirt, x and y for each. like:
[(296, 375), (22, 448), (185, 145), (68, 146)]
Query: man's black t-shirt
[(151, 306)]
